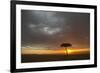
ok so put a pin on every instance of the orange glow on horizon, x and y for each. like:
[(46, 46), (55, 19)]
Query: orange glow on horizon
[(78, 51), (54, 52)]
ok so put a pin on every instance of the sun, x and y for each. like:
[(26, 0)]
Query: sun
[(69, 51)]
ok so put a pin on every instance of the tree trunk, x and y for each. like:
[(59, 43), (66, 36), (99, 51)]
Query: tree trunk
[(66, 50)]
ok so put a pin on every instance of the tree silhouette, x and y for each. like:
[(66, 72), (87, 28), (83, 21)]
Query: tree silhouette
[(65, 45)]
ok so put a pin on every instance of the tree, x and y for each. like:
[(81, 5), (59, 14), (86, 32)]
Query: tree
[(65, 45)]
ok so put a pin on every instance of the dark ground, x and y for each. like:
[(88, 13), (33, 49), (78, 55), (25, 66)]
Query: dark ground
[(45, 58)]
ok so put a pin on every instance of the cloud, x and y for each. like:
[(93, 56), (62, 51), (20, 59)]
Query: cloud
[(51, 31)]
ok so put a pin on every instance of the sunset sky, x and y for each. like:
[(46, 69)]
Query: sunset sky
[(45, 31)]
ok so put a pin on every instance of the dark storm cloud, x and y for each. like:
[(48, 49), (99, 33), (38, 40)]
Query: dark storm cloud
[(53, 28)]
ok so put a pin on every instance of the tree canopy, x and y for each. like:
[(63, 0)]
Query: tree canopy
[(66, 45)]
